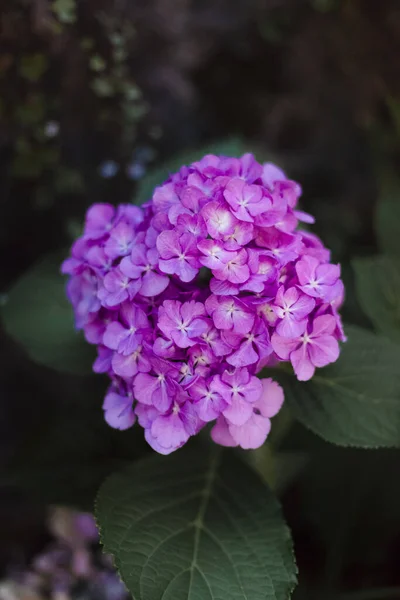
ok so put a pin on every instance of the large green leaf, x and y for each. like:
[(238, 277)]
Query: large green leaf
[(356, 401), (38, 315), (155, 177), (378, 292), (388, 215), (196, 527)]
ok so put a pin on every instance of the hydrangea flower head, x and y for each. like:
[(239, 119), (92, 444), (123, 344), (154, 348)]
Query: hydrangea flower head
[(189, 297)]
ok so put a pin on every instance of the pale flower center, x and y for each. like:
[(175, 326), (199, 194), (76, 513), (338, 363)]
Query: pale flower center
[(287, 310), (183, 326)]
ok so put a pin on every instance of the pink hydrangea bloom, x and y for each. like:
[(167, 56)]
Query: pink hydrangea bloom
[(189, 297)]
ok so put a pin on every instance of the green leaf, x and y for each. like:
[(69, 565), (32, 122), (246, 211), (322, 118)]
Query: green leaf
[(155, 177), (378, 292), (196, 527), (356, 401), (38, 315), (388, 215)]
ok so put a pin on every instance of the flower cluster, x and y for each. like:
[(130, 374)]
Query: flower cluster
[(192, 295), (71, 565)]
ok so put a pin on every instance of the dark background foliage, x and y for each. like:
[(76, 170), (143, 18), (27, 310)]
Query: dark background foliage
[(96, 94)]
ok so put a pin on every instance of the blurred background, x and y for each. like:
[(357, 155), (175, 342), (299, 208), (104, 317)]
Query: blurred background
[(99, 101)]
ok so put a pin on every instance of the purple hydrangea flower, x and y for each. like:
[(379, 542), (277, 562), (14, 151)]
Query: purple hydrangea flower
[(126, 334), (182, 323), (117, 406), (253, 432), (292, 307), (316, 347), (143, 264), (189, 297)]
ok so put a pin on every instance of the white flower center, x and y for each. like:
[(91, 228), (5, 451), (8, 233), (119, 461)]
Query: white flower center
[(183, 326)]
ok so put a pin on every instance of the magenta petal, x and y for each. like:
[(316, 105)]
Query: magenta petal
[(181, 339), (271, 399), (253, 389), (246, 355), (151, 440), (283, 346), (222, 319), (169, 266), (306, 268), (160, 398), (252, 434), (114, 334), (102, 364), (323, 325), (125, 366), (143, 388), (289, 327), (209, 408), (129, 269), (192, 309), (220, 434), (169, 432), (168, 244), (302, 365), (304, 217), (153, 284), (239, 411), (271, 174), (324, 350), (185, 271), (243, 321), (118, 411), (303, 306), (163, 348), (197, 327), (328, 274), (130, 343), (290, 297), (224, 288)]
